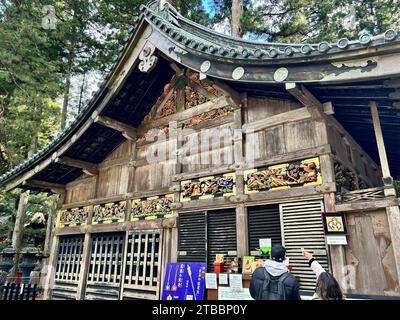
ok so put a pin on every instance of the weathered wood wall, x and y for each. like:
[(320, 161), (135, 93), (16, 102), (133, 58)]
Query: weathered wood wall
[(370, 252), (352, 156), (282, 127)]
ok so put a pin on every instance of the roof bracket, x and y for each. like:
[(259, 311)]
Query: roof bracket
[(232, 96), (87, 167), (307, 99), (126, 130), (53, 187)]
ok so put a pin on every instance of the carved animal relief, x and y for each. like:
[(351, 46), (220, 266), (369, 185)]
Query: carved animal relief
[(73, 217), (208, 187), (152, 207), (299, 173), (109, 212)]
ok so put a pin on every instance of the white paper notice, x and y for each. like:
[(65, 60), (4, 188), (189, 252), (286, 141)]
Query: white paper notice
[(235, 281), (336, 240), (265, 243), (223, 278), (226, 293), (211, 281)]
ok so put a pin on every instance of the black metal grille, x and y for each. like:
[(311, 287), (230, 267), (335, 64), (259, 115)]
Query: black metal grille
[(221, 234), (192, 237), (263, 222), (202, 236)]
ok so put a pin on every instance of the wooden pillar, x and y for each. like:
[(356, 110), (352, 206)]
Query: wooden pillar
[(19, 221), (393, 213), (50, 224), (379, 140), (241, 211), (51, 269), (80, 294), (336, 252)]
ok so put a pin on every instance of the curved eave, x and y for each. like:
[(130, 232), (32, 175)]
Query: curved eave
[(100, 104), (207, 42)]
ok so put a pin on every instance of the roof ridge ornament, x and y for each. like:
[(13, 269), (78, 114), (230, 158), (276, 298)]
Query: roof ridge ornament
[(165, 10)]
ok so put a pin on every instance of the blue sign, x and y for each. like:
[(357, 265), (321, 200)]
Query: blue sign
[(184, 281)]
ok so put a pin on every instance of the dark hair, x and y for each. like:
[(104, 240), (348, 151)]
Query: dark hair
[(278, 252), (328, 288)]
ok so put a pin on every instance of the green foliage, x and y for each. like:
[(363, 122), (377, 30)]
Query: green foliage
[(313, 20)]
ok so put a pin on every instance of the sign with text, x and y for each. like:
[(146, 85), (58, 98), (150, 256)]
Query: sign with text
[(336, 240), (227, 293), (184, 281)]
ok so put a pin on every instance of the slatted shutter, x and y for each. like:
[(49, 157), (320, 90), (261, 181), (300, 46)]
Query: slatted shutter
[(68, 267), (221, 234), (105, 267), (263, 222), (192, 237), (143, 265), (302, 227)]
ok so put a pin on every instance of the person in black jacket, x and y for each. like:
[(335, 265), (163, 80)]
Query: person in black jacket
[(274, 281)]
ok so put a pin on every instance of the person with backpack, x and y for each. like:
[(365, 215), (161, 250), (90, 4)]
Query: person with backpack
[(327, 287), (274, 281)]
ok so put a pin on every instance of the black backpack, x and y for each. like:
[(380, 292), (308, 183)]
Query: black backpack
[(273, 288)]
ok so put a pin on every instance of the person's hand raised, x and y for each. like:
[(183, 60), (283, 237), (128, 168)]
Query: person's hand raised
[(308, 255)]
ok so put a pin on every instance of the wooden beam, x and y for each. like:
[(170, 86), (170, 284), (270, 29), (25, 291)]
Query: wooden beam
[(293, 115), (301, 93), (126, 130), (232, 96), (379, 140), (368, 205), (328, 108), (178, 70), (54, 187), (87, 167), (307, 99)]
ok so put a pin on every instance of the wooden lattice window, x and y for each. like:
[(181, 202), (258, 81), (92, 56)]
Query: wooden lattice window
[(69, 258), (106, 258), (143, 260)]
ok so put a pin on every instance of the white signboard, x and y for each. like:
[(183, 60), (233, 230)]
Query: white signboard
[(336, 240), (235, 281), (227, 293), (223, 278), (211, 281)]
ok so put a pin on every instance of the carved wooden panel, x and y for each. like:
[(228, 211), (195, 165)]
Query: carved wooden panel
[(208, 187), (345, 178), (109, 212), (151, 207), (297, 173), (73, 217)]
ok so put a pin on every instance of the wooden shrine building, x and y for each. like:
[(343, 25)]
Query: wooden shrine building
[(319, 122)]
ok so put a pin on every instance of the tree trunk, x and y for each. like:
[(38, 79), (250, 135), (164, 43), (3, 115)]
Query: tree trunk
[(64, 112), (37, 120), (67, 87), (237, 12), (19, 221), (83, 85)]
